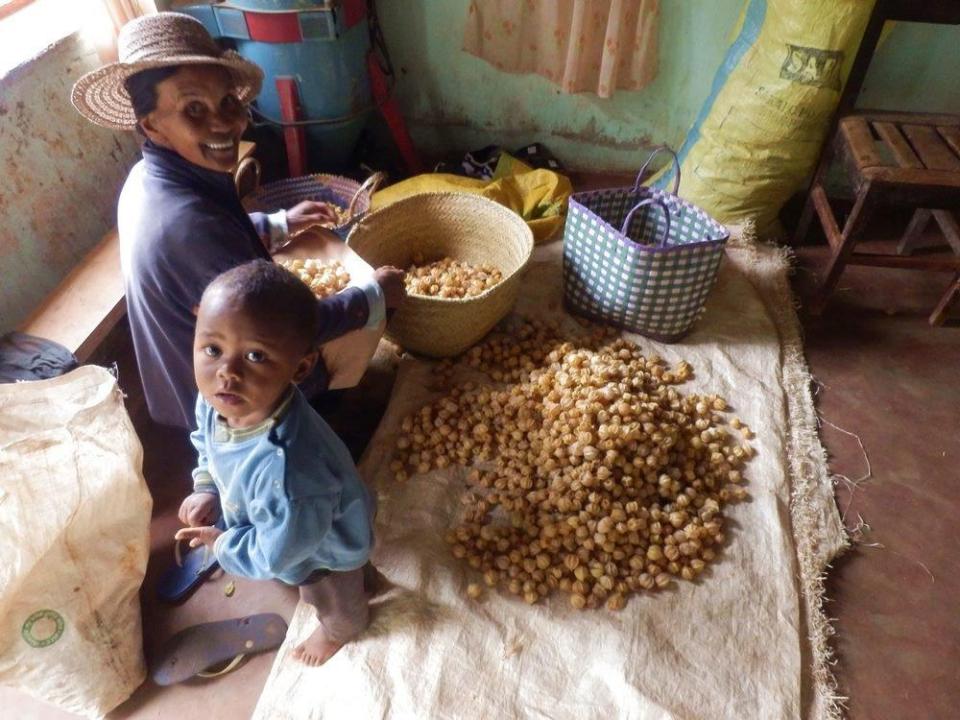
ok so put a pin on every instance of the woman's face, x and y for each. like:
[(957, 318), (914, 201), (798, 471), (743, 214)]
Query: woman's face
[(199, 117)]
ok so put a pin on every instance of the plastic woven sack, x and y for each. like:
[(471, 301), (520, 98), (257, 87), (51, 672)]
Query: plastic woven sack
[(640, 258), (74, 542)]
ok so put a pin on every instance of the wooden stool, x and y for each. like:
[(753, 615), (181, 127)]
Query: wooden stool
[(895, 159)]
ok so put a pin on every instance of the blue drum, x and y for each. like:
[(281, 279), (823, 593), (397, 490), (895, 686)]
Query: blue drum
[(316, 93)]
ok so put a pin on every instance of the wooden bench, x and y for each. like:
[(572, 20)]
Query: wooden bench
[(89, 301), (902, 159)]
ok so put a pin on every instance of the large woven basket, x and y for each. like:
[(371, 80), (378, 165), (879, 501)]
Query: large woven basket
[(462, 226)]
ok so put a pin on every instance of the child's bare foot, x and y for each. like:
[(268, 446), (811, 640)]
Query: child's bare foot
[(316, 649)]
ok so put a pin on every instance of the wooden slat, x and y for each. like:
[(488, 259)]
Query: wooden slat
[(949, 227), (933, 152), (86, 305), (950, 297), (822, 205), (860, 142), (913, 235), (859, 213), (907, 262), (905, 117), (902, 152), (952, 137), (917, 178)]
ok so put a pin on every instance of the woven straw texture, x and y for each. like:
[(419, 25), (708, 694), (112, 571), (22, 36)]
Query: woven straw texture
[(335, 189), (465, 227), (641, 273), (153, 41)]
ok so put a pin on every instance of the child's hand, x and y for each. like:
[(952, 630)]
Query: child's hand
[(199, 535), (200, 508), (390, 280)]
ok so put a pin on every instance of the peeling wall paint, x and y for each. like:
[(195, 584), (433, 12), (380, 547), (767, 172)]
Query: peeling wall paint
[(61, 177), (453, 101)]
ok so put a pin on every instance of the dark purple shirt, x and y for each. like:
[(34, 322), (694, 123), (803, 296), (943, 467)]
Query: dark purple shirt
[(180, 226)]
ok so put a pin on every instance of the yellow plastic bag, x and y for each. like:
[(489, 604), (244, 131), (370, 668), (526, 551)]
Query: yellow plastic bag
[(760, 131), (538, 196)]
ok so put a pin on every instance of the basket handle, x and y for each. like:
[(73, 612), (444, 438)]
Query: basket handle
[(649, 201), (676, 167), (369, 185), (248, 163)]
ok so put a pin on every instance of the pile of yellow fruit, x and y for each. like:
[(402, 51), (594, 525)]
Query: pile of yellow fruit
[(591, 472)]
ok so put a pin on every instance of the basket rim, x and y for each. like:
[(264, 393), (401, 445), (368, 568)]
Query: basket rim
[(623, 239), (303, 178), (514, 217), (282, 184)]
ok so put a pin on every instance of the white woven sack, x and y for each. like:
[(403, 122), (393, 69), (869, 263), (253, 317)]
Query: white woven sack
[(74, 542)]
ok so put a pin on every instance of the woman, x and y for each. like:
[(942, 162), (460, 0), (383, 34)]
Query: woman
[(179, 217)]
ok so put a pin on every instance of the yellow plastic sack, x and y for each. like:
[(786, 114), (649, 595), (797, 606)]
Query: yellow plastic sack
[(538, 196), (760, 131)]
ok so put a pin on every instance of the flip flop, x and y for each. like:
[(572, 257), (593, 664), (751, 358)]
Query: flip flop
[(187, 574), (194, 651)]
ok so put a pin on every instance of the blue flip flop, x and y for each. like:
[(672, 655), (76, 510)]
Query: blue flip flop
[(215, 648), (187, 574)]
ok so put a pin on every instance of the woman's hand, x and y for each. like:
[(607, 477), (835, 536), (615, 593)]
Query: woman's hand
[(199, 508), (390, 280), (308, 213), (197, 536)]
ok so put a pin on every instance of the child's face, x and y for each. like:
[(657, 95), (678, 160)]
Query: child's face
[(244, 366), (199, 116)]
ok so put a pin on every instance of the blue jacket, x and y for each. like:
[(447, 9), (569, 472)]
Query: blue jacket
[(291, 497), (180, 226)]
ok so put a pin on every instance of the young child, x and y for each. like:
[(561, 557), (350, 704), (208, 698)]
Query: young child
[(293, 505)]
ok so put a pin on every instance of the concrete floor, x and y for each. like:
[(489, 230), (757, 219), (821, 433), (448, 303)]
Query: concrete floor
[(884, 375), (892, 380)]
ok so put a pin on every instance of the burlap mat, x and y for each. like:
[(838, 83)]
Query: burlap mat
[(746, 640)]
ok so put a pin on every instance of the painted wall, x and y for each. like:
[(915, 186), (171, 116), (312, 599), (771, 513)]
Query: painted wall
[(453, 101), (61, 177)]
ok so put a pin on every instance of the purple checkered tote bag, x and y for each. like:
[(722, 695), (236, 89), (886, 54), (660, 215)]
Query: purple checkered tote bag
[(640, 258)]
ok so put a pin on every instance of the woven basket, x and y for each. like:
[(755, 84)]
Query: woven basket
[(347, 194), (459, 225), (640, 258)]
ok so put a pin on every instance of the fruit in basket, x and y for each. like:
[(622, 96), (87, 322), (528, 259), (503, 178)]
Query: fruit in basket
[(323, 277), (342, 215), (449, 278)]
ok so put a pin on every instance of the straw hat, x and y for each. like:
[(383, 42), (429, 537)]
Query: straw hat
[(153, 41)]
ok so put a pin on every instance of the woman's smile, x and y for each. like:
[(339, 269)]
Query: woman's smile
[(220, 146), (223, 152)]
